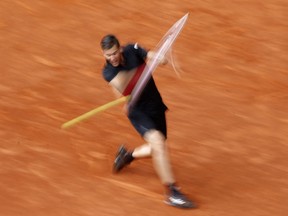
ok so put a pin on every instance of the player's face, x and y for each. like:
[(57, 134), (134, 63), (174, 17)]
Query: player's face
[(113, 55)]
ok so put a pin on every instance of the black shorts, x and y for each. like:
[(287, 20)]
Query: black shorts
[(143, 122)]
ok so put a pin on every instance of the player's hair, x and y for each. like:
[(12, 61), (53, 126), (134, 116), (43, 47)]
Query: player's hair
[(109, 41)]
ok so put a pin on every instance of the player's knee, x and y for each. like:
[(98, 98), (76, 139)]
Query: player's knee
[(156, 139), (152, 136)]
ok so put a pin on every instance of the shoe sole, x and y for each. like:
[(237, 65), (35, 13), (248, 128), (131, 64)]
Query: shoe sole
[(192, 206)]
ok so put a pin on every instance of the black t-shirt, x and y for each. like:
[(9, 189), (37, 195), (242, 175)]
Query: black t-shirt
[(150, 99)]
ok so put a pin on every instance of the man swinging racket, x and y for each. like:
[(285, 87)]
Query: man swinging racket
[(124, 66)]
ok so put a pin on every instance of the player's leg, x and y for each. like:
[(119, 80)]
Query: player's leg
[(146, 126), (162, 166), (142, 151), (141, 123), (125, 157), (161, 162), (160, 155)]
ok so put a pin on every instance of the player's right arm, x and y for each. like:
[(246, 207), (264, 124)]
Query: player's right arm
[(162, 59)]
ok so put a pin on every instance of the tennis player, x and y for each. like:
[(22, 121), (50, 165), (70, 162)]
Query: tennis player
[(124, 65)]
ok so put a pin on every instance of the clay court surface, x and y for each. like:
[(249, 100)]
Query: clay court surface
[(227, 123)]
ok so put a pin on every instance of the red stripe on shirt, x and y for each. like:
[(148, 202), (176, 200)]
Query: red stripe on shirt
[(133, 81)]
